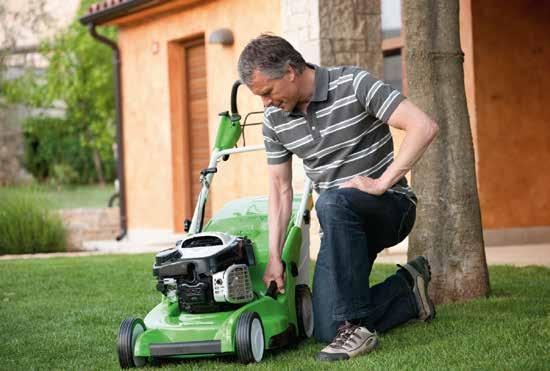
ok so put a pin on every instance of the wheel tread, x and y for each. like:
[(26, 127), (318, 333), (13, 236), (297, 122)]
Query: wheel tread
[(124, 342), (301, 290), (243, 337)]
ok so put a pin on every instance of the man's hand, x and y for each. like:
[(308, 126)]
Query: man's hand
[(364, 183), (274, 272)]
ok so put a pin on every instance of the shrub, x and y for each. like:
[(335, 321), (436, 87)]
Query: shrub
[(79, 77), (27, 225), (56, 151)]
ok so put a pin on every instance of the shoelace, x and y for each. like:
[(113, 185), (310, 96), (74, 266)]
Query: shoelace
[(343, 334)]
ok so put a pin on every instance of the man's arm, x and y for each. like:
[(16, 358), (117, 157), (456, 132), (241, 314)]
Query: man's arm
[(419, 129), (279, 212)]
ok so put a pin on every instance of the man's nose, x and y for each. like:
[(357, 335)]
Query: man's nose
[(266, 101)]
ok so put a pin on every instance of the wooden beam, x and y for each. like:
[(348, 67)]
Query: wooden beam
[(155, 11), (392, 43)]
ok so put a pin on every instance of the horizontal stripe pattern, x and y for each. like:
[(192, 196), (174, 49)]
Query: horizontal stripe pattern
[(336, 182), (354, 157), (344, 133)]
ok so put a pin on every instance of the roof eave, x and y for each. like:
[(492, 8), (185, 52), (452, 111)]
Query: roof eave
[(116, 11)]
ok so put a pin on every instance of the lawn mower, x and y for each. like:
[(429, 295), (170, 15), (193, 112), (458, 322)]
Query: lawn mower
[(214, 301)]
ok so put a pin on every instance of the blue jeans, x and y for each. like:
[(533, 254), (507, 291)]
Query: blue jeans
[(356, 227)]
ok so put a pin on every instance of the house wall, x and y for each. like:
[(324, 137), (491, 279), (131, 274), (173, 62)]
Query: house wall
[(512, 64), (146, 101)]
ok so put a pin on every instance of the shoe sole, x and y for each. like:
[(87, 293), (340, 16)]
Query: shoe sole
[(427, 311)]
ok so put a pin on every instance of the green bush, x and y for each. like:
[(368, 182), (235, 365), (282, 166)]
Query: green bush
[(27, 225), (79, 73), (56, 151)]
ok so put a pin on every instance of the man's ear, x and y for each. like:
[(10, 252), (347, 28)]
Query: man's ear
[(290, 73)]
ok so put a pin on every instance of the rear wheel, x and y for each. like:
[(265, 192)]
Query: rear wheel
[(129, 330), (304, 311), (249, 338)]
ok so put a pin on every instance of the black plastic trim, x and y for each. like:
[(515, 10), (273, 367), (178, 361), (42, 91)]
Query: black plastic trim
[(188, 347), (286, 337)]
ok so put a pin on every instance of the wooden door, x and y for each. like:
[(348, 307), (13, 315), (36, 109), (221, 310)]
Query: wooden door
[(197, 114), (189, 125)]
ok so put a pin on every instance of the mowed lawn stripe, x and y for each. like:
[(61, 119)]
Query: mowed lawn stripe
[(64, 313)]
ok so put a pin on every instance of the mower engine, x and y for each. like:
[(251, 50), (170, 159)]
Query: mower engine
[(206, 272)]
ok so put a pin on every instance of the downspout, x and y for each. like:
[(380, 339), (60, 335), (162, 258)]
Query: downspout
[(119, 128)]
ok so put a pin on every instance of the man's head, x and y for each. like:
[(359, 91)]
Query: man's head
[(271, 68)]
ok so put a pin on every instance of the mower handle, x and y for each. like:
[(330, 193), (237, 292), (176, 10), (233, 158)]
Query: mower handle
[(234, 112), (272, 290)]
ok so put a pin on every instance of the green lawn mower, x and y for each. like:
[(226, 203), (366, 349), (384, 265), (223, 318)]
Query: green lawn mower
[(214, 301)]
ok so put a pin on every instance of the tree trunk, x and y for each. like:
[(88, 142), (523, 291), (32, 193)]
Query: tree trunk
[(448, 229), (98, 167)]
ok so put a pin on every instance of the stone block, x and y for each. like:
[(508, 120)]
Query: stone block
[(90, 224), (349, 45), (339, 19)]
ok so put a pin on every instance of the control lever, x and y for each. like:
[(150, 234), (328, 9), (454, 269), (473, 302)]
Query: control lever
[(272, 289)]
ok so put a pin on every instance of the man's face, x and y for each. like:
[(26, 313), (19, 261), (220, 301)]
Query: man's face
[(282, 93)]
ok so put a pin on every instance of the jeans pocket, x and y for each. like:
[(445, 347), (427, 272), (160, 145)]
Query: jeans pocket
[(407, 222)]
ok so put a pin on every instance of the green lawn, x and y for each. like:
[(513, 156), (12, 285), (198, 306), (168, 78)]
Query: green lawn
[(64, 313), (68, 197)]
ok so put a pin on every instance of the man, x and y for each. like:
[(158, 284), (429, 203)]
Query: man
[(336, 120)]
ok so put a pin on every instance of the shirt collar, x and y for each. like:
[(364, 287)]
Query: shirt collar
[(320, 92), (321, 83)]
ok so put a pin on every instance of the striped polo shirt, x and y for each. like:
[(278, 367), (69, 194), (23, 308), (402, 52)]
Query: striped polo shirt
[(344, 132)]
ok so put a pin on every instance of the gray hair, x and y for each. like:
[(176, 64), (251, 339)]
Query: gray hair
[(270, 55)]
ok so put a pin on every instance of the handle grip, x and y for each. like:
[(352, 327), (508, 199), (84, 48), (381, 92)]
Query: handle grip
[(234, 111), (272, 289)]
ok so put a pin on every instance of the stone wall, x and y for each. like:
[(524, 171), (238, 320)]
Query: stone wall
[(300, 26), (90, 225), (350, 34), (322, 31), (11, 147)]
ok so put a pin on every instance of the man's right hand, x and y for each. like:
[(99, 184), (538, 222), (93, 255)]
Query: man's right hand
[(274, 272)]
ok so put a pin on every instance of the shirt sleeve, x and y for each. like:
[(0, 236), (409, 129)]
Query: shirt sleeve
[(276, 152), (378, 98)]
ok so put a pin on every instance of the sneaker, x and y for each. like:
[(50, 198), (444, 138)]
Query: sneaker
[(420, 272), (350, 341)]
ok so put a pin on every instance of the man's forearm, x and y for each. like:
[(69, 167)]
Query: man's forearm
[(279, 211), (417, 139)]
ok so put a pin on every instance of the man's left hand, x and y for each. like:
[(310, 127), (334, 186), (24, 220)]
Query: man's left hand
[(364, 183)]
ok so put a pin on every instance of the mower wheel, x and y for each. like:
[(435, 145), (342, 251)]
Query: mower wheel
[(304, 311), (129, 330), (250, 342)]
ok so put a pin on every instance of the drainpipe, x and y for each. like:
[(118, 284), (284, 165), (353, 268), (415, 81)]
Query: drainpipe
[(119, 128)]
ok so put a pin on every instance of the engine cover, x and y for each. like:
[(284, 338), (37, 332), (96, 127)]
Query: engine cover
[(205, 253), (187, 272)]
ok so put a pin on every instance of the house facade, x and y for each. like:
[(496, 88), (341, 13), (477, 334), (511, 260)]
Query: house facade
[(175, 82)]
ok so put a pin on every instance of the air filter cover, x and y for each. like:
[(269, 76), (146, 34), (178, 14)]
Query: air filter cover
[(233, 285)]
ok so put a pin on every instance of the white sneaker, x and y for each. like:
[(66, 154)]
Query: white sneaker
[(350, 341)]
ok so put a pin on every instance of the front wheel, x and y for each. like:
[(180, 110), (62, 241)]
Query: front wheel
[(129, 330), (249, 338)]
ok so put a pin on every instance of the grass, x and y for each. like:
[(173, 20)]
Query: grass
[(67, 197), (64, 313)]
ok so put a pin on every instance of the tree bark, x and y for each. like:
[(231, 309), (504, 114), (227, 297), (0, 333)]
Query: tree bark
[(448, 229), (98, 167)]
